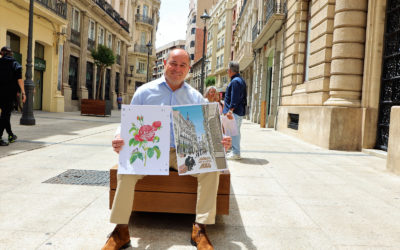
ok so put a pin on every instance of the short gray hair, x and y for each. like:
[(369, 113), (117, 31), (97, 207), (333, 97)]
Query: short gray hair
[(208, 90), (234, 66)]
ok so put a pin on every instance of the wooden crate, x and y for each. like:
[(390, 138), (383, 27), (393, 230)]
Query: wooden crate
[(171, 194)]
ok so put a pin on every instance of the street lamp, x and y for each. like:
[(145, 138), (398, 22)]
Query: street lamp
[(148, 60), (27, 111), (205, 17), (131, 67)]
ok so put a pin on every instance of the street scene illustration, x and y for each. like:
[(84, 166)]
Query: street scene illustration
[(198, 135)]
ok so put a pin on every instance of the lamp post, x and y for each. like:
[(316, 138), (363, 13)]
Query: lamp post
[(148, 59), (27, 111), (131, 67), (205, 17)]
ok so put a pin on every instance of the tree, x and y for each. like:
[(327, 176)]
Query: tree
[(103, 58), (210, 81)]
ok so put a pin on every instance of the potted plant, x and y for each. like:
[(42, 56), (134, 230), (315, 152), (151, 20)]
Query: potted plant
[(103, 58)]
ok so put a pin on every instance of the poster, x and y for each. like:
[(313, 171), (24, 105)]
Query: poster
[(198, 135), (146, 133)]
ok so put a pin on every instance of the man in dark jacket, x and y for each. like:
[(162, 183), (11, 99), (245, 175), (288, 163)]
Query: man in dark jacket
[(10, 79), (235, 105)]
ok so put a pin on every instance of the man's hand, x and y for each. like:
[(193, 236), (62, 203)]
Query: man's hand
[(229, 115), (23, 97), (117, 143), (227, 142)]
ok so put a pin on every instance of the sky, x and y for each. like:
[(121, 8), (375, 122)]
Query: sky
[(173, 19), (195, 115)]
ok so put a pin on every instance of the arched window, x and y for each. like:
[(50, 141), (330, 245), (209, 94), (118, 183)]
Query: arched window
[(191, 44)]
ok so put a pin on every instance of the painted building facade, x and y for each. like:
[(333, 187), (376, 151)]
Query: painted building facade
[(49, 22)]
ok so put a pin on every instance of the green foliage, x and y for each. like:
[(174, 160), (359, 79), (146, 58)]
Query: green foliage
[(103, 56), (210, 81)]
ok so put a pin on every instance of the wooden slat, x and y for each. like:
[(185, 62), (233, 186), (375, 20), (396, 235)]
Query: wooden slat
[(93, 107), (171, 202), (171, 183)]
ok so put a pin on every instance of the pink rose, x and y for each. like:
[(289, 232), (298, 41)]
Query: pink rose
[(146, 133)]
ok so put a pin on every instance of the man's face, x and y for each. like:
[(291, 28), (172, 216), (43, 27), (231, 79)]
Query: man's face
[(177, 67)]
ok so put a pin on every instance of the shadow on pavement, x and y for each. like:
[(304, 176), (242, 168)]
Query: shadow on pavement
[(254, 161)]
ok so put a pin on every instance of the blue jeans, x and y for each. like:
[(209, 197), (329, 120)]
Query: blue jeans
[(236, 139)]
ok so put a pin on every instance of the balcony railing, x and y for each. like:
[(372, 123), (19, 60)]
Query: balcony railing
[(254, 32), (144, 19), (91, 44), (57, 6), (76, 37), (141, 49), (274, 7), (112, 13)]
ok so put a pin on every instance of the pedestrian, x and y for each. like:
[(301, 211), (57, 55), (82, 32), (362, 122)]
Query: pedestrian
[(170, 89), (235, 105), (10, 79), (119, 101)]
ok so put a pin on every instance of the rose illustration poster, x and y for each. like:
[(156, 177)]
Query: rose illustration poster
[(146, 133), (198, 136)]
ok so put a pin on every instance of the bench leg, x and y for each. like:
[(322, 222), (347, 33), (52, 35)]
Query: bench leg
[(122, 205), (207, 189)]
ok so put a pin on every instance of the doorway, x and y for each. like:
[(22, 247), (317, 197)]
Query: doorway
[(38, 89)]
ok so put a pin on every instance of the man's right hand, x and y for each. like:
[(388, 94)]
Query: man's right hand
[(117, 143)]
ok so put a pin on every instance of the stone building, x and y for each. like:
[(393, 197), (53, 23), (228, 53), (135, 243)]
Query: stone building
[(49, 25), (141, 56), (212, 123), (186, 134), (94, 22), (161, 54), (219, 41)]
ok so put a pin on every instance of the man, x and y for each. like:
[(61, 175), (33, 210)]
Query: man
[(235, 105), (10, 78), (167, 90)]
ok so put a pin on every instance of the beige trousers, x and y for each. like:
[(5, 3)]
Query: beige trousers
[(206, 205)]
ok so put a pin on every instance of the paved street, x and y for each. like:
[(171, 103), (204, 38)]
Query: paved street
[(285, 194)]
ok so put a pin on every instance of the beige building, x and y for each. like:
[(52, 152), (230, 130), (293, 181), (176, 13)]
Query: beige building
[(191, 29), (141, 56), (219, 41), (49, 25), (161, 54), (93, 22)]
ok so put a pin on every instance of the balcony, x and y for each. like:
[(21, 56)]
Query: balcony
[(141, 49), (275, 15), (112, 13), (91, 44), (57, 6), (75, 37), (144, 19)]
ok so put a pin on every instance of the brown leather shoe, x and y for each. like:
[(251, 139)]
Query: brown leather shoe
[(118, 239), (199, 238)]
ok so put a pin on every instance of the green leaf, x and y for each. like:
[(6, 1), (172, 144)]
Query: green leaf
[(157, 149), (156, 139), (135, 143), (150, 152), (140, 155), (133, 129), (132, 141), (133, 158)]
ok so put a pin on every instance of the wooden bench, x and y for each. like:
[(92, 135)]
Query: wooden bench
[(171, 194)]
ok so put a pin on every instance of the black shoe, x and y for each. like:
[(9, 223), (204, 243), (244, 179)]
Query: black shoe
[(12, 138), (3, 143)]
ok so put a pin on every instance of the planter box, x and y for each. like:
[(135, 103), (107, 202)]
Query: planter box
[(95, 107)]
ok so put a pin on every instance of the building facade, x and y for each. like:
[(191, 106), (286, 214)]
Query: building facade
[(49, 22), (94, 22), (161, 54), (141, 53)]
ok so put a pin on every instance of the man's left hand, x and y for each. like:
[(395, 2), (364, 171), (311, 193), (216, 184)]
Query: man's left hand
[(23, 98), (227, 142)]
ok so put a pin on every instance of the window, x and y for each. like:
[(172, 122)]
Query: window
[(75, 19), (193, 31), (100, 39), (145, 11), (191, 44), (109, 40), (143, 38), (118, 47), (191, 56), (138, 10), (92, 29), (307, 49), (140, 67)]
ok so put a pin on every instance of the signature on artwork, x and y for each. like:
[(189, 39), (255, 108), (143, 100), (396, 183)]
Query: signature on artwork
[(142, 135)]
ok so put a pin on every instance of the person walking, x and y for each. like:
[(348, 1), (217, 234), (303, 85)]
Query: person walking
[(10, 80), (119, 101), (170, 89), (235, 105)]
